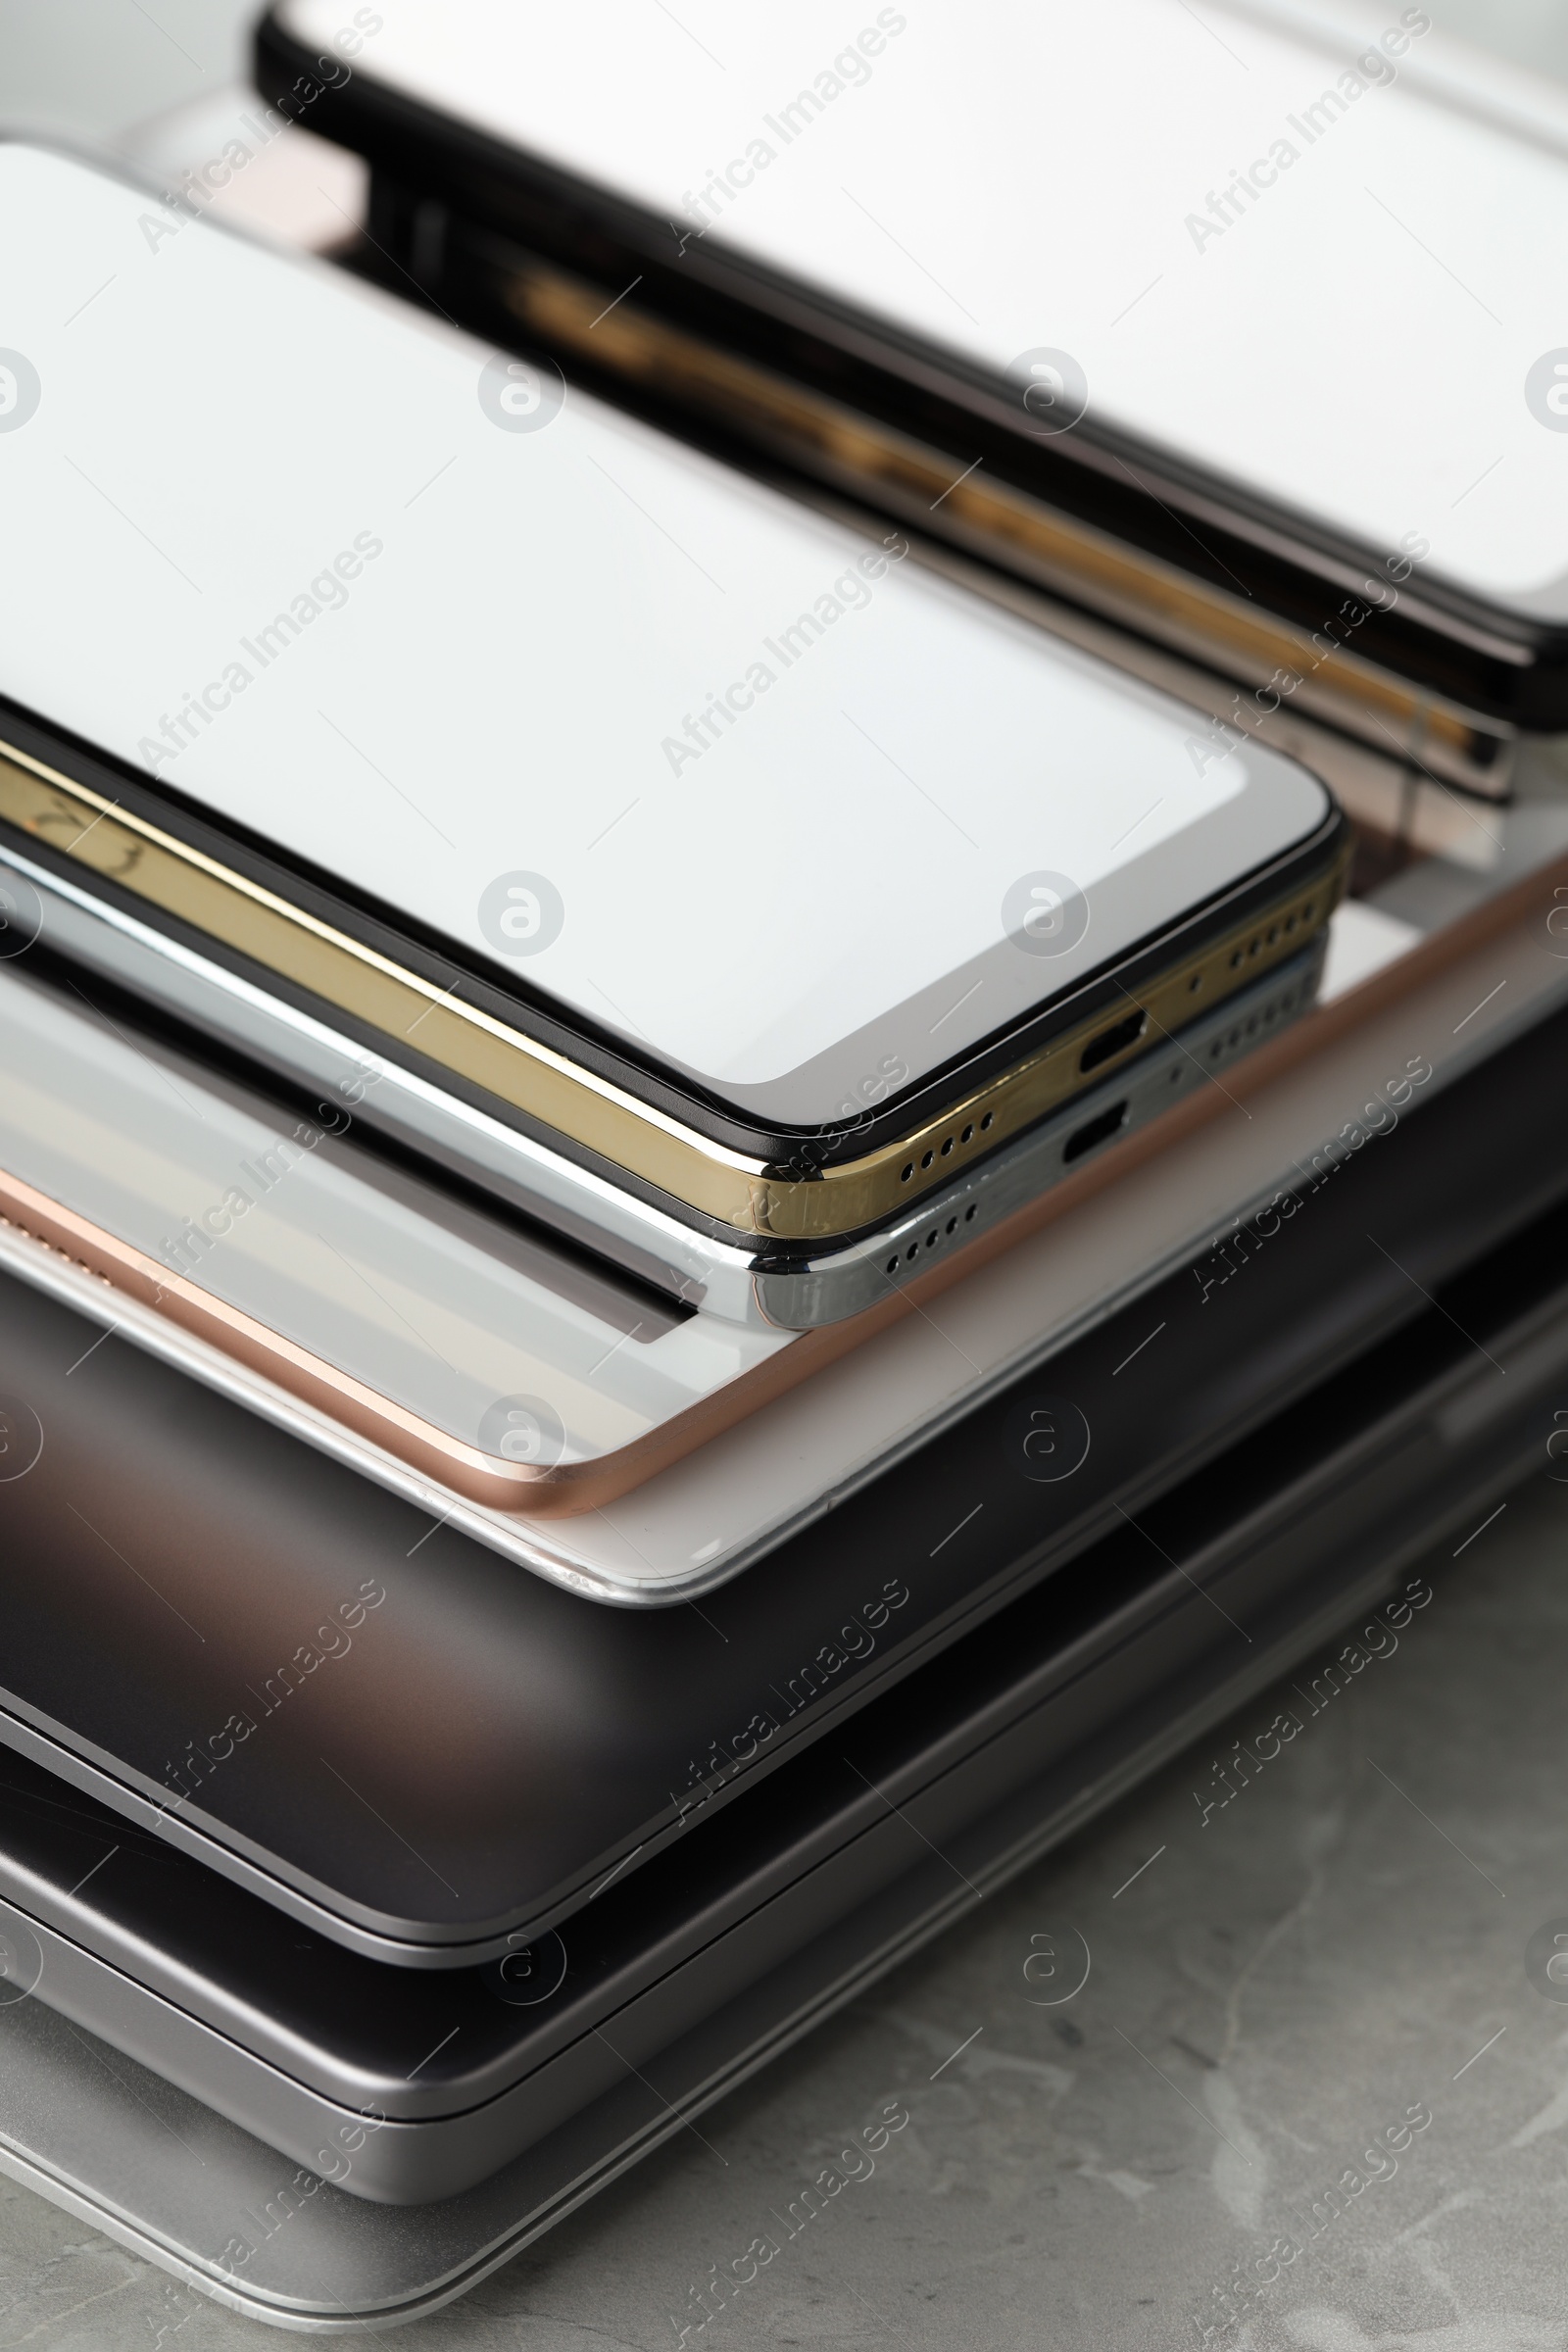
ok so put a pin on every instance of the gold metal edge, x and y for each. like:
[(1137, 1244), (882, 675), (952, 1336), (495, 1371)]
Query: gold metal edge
[(1043, 1081), (817, 1206), (1062, 553)]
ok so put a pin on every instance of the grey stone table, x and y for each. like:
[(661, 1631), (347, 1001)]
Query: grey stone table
[(1313, 2093)]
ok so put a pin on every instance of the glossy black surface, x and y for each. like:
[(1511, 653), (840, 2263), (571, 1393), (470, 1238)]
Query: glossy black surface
[(474, 1752)]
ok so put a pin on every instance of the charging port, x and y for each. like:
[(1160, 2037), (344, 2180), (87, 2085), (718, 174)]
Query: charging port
[(1095, 1131), (1113, 1041)]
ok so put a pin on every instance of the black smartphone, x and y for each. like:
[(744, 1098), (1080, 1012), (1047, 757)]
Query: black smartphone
[(1221, 343)]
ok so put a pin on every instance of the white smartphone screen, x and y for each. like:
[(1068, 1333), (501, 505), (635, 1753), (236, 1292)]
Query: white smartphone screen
[(1276, 250), (752, 792)]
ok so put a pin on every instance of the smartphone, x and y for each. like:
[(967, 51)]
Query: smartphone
[(1179, 340), (652, 846)]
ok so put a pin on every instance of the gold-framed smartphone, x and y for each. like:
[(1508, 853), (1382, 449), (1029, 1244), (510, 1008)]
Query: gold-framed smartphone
[(677, 965)]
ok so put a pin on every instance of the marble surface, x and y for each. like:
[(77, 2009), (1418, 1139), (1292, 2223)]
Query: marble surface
[(1312, 2094)]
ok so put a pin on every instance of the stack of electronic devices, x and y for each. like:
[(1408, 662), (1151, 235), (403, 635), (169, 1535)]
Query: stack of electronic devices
[(747, 993)]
